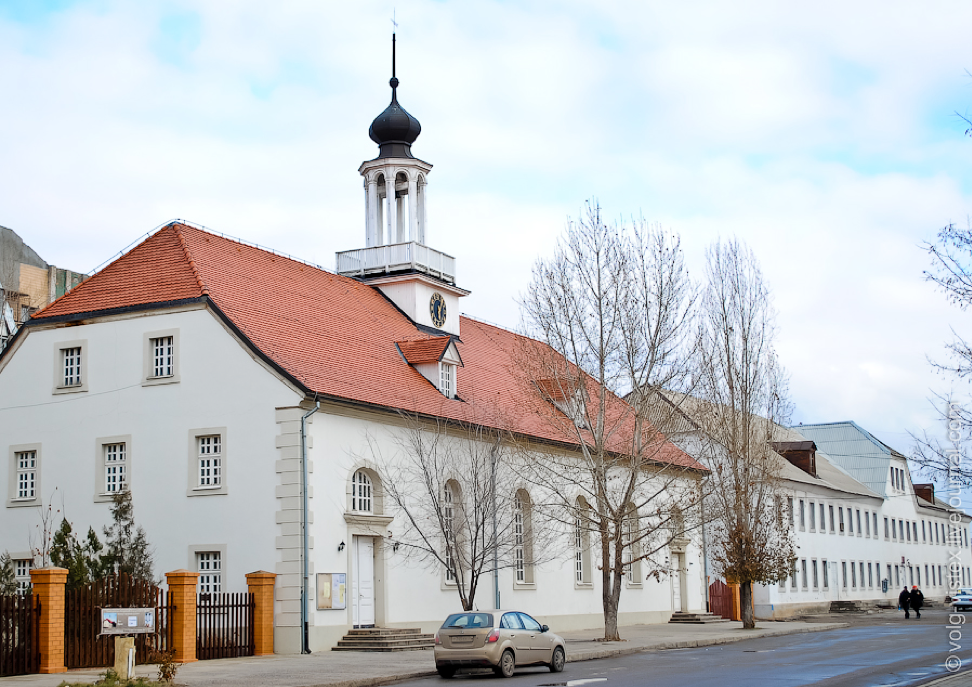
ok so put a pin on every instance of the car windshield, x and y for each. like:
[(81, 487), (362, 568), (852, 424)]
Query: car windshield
[(964, 592), (469, 620)]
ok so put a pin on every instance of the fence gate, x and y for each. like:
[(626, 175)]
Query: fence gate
[(224, 625), (84, 647), (18, 634), (720, 599)]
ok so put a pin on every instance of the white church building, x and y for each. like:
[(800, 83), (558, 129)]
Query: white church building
[(195, 368)]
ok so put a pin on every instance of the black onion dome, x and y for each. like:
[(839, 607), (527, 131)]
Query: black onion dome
[(394, 130)]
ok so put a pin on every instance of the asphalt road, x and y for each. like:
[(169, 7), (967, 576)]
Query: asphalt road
[(878, 655)]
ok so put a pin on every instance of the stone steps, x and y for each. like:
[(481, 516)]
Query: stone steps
[(385, 639), (682, 618), (845, 607)]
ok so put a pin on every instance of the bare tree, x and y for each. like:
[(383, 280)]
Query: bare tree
[(610, 314), (947, 462), (740, 401), (450, 484)]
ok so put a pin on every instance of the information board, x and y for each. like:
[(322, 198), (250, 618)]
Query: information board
[(331, 591), (127, 621)]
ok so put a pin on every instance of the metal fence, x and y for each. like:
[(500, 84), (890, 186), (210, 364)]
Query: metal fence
[(18, 634), (224, 625)]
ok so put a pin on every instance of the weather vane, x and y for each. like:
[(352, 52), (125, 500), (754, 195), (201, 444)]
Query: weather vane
[(394, 29)]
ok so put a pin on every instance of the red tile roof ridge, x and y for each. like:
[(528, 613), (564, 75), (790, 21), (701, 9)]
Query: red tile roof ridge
[(192, 263)]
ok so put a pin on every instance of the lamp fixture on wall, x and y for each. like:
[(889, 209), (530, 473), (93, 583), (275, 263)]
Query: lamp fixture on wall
[(340, 547)]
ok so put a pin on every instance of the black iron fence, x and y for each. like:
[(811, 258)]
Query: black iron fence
[(224, 625)]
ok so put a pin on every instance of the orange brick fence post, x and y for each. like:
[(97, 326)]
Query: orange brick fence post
[(260, 584), (49, 586), (182, 587)]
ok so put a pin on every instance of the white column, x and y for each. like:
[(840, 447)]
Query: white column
[(412, 208), (423, 191), (400, 220), (390, 200), (374, 222)]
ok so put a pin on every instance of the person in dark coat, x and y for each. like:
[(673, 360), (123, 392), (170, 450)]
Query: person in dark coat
[(917, 601), (904, 601)]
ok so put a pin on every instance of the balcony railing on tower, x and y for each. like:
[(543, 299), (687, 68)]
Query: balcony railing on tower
[(397, 257)]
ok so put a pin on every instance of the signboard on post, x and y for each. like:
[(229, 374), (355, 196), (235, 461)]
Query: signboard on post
[(127, 621), (331, 591)]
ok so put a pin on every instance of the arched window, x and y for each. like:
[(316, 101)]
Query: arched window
[(632, 548), (362, 498), (522, 538), (582, 542)]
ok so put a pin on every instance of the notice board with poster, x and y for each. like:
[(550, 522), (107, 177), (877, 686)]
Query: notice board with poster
[(127, 621), (332, 591)]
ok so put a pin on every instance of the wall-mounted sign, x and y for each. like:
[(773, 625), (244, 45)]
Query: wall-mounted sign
[(332, 591), (127, 621)]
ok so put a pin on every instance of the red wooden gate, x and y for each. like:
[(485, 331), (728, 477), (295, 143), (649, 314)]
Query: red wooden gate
[(720, 599)]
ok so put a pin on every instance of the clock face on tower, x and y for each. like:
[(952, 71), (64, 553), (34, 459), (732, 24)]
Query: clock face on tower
[(437, 308)]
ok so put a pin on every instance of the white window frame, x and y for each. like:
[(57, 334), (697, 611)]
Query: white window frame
[(149, 376), (447, 379), (582, 549), (14, 500), (815, 574), (194, 564), (824, 565), (813, 516), (102, 494), (60, 381), (523, 572), (22, 566), (362, 492), (196, 487), (448, 522)]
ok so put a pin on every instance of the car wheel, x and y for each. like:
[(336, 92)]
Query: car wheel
[(445, 672), (558, 660), (506, 665)]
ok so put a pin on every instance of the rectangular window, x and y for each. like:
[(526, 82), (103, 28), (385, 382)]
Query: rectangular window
[(210, 461), (897, 576), (923, 536), (907, 531), (519, 559), (803, 572), (886, 532), (870, 576), (867, 524), (789, 508), (26, 474), (22, 572), (875, 525), (914, 531), (163, 356), (803, 516), (850, 521), (853, 575), (831, 508), (813, 570), (859, 522), (210, 569), (71, 366), (813, 517), (793, 575), (843, 570), (824, 567), (445, 379), (918, 574), (578, 550), (936, 533), (889, 574), (928, 579), (115, 468), (840, 514), (823, 518)]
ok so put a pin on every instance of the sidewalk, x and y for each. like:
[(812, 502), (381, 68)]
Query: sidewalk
[(350, 669)]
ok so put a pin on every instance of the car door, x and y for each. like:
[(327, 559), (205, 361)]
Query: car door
[(540, 646), (512, 627)]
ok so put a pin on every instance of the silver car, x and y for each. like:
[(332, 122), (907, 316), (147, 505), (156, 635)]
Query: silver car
[(501, 640)]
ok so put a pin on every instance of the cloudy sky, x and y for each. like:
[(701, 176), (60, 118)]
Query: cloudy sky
[(824, 135)]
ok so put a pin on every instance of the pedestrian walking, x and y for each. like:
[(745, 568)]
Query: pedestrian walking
[(904, 601), (917, 600)]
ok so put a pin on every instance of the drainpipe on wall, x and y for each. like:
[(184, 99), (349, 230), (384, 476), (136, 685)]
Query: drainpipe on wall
[(304, 645)]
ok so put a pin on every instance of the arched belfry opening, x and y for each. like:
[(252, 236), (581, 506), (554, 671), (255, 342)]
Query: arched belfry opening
[(397, 258)]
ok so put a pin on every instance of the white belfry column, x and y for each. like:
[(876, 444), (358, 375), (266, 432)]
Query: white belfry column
[(373, 234), (412, 208), (390, 199), (400, 219)]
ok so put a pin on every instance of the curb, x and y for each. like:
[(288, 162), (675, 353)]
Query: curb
[(592, 655), (694, 643)]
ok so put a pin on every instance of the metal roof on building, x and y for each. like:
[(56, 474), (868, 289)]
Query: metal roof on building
[(854, 449)]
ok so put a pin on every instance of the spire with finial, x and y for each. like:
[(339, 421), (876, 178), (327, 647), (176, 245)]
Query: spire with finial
[(394, 130)]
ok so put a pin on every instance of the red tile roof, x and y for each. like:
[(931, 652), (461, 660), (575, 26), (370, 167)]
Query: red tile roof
[(335, 335), (424, 350)]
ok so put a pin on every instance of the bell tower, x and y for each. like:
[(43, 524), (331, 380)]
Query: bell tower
[(420, 280)]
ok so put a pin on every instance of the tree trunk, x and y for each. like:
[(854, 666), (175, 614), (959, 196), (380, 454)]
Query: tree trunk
[(746, 603)]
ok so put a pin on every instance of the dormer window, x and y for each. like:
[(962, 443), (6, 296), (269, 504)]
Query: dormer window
[(447, 375), (568, 398), (435, 358)]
